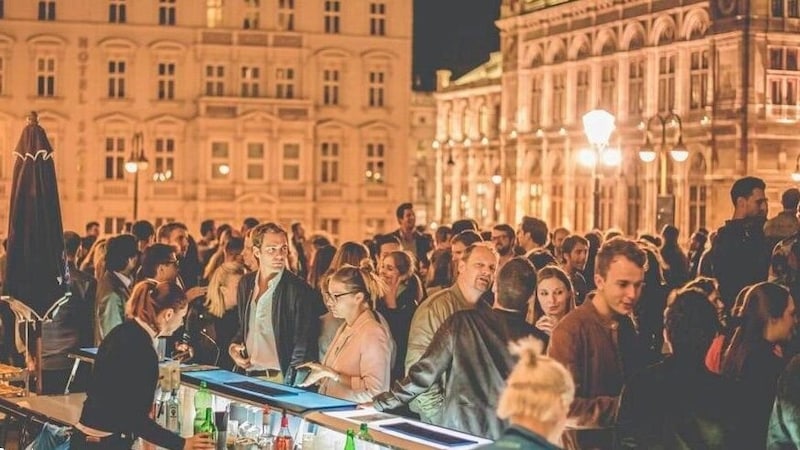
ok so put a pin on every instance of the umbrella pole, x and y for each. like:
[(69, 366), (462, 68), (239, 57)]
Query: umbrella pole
[(37, 331)]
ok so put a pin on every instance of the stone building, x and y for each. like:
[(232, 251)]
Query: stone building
[(719, 77), (282, 110)]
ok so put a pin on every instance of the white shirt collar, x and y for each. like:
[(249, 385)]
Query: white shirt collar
[(124, 278)]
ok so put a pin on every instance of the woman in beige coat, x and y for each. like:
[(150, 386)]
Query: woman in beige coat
[(357, 364)]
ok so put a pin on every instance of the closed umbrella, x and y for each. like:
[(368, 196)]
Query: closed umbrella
[(36, 273)]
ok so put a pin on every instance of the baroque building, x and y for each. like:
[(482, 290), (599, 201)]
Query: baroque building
[(282, 110), (720, 78)]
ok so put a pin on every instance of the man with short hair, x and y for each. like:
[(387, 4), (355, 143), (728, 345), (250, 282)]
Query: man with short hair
[(785, 223), (93, 229), (298, 240), (411, 240), (740, 253), (177, 235), (248, 224), (559, 234), (597, 341), (470, 350), (144, 232), (532, 234), (476, 275), (459, 244), (575, 251), (504, 240), (385, 244), (277, 312), (114, 288), (207, 244)]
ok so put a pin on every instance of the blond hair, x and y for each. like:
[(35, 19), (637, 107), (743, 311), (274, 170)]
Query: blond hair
[(215, 300), (362, 279), (536, 384)]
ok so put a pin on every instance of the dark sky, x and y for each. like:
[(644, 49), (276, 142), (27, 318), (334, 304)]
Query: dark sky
[(452, 34)]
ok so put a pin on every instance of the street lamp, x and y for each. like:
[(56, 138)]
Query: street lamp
[(598, 124), (136, 163), (679, 153)]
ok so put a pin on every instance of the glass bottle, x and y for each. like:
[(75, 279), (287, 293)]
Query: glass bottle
[(172, 412), (202, 401), (208, 426), (350, 443), (283, 441), (363, 433)]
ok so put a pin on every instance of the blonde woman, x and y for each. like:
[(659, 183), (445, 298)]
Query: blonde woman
[(95, 261), (212, 320), (535, 401), (358, 362)]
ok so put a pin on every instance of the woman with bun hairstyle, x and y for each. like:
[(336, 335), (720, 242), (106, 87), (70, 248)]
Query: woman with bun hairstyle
[(125, 375), (535, 401), (358, 362)]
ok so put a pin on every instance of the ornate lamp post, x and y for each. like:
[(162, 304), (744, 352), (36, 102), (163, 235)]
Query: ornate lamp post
[(136, 163), (679, 153), (598, 125)]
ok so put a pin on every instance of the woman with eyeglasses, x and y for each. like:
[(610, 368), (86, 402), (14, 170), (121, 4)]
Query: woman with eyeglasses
[(358, 363), (212, 321), (125, 376)]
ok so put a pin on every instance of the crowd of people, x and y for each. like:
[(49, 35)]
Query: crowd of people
[(526, 335)]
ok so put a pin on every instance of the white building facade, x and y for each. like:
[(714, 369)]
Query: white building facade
[(283, 110)]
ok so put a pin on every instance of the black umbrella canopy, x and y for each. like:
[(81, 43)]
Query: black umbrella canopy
[(36, 268)]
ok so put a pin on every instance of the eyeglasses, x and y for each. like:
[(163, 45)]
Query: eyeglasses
[(334, 298), (275, 249)]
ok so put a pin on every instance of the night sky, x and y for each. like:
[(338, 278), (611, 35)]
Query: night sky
[(452, 34)]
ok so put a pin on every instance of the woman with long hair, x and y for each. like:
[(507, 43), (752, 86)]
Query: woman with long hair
[(403, 294), (351, 253), (764, 319), (125, 376), (358, 363), (212, 321), (554, 298)]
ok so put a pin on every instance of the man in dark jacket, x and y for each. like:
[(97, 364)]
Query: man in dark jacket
[(474, 345), (740, 254), (277, 312), (679, 401)]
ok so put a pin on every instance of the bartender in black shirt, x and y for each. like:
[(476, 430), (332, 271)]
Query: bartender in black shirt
[(125, 375)]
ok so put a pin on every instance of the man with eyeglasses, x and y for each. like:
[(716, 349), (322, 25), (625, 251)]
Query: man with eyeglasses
[(278, 312)]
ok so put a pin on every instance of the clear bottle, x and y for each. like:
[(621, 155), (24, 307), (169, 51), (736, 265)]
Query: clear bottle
[(208, 426), (350, 443), (202, 401), (172, 413), (284, 440)]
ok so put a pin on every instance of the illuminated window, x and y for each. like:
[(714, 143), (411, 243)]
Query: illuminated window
[(252, 12), (698, 80), (375, 163), (165, 159), (666, 83)]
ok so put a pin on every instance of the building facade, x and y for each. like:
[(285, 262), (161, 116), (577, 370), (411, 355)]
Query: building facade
[(281, 110), (720, 77), (422, 157), (468, 144)]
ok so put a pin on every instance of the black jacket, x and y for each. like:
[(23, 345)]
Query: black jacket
[(672, 405), (474, 345), (296, 308), (120, 396), (740, 257), (210, 336), (423, 246), (399, 320)]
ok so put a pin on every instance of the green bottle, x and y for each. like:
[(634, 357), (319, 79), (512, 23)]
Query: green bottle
[(350, 443), (363, 433), (202, 400), (208, 425)]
